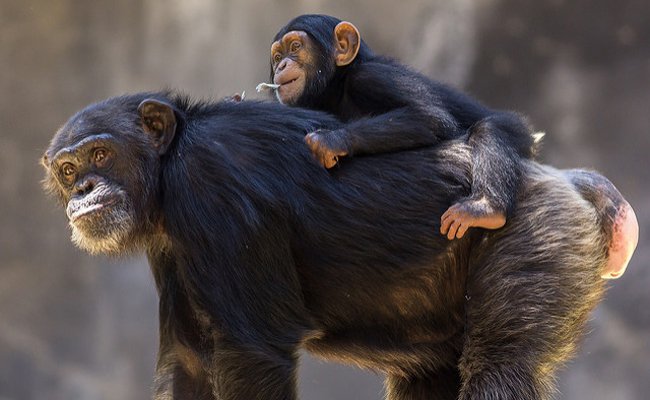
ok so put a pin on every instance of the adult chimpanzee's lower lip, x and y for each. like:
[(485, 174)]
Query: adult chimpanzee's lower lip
[(84, 210)]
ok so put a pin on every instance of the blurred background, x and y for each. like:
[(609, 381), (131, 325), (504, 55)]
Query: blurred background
[(79, 327)]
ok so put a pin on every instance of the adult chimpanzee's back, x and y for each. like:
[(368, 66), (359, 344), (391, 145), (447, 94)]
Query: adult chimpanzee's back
[(257, 252)]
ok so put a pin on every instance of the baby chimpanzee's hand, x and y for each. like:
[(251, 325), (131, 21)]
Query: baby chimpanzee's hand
[(327, 146)]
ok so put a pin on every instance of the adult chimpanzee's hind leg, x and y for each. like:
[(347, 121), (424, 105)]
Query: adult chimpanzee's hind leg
[(529, 294), (253, 372), (442, 385), (513, 323)]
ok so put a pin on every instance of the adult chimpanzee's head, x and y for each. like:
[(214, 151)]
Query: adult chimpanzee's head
[(103, 165), (307, 53)]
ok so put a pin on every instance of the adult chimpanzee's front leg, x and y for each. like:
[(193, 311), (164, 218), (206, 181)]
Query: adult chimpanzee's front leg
[(164, 377), (180, 373), (251, 372), (173, 380), (440, 385), (201, 362)]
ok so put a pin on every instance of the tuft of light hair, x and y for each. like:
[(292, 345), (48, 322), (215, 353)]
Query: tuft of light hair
[(116, 242)]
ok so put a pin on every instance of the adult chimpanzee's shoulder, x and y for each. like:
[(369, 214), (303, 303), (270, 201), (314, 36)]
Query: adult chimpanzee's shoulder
[(263, 141)]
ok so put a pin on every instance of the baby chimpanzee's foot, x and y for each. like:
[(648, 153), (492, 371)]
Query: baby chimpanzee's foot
[(470, 213), (327, 146)]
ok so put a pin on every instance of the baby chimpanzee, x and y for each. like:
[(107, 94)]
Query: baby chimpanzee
[(320, 62)]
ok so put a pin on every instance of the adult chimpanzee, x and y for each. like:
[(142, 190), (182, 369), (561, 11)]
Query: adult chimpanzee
[(321, 62), (257, 251)]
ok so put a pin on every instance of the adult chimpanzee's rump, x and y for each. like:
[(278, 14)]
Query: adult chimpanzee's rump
[(258, 251)]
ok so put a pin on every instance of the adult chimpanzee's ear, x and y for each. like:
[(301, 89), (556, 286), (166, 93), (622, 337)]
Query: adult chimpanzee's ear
[(347, 43), (159, 121), (45, 161)]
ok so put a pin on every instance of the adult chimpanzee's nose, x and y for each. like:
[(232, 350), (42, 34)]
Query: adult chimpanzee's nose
[(85, 185)]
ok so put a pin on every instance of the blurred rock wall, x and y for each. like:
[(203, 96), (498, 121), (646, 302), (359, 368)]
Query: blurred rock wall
[(77, 327)]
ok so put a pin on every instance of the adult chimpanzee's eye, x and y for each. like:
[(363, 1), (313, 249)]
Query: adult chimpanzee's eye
[(99, 155), (68, 170), (295, 45), (277, 57)]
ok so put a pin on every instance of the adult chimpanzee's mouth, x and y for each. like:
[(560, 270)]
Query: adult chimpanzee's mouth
[(79, 209)]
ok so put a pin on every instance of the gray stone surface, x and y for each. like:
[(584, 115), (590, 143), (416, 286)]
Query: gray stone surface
[(77, 327)]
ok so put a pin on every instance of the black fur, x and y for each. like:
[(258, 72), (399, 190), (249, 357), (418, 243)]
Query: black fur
[(389, 107), (257, 251)]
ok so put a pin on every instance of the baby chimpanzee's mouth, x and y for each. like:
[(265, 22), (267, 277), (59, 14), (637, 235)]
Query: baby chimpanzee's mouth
[(284, 81), (289, 81)]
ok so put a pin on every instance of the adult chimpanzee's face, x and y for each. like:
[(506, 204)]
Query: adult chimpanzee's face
[(103, 166), (100, 211)]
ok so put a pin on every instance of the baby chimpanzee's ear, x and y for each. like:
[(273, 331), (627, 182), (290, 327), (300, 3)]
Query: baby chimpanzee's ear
[(348, 41), (159, 121)]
